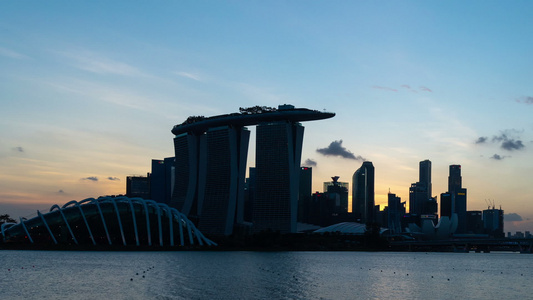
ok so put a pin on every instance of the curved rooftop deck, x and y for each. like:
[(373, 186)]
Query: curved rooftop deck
[(284, 113)]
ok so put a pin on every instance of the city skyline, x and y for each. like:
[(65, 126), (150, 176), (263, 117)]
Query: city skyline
[(90, 93)]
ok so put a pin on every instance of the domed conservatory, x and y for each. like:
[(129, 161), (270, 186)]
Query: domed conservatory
[(113, 221)]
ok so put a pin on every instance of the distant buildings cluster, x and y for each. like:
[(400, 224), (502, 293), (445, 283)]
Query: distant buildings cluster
[(206, 181)]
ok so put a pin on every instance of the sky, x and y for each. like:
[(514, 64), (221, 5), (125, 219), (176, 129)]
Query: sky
[(89, 91)]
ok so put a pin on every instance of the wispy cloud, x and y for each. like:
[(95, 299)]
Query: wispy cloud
[(11, 54), (526, 100), (336, 149), (189, 75), (91, 178), (19, 149), (113, 178), (96, 63), (310, 163), (60, 192), (481, 140), (404, 86), (497, 157), (384, 88)]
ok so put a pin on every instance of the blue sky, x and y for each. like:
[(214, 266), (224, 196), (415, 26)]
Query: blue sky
[(90, 91)]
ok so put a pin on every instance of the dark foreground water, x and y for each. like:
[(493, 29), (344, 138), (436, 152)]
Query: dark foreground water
[(264, 275)]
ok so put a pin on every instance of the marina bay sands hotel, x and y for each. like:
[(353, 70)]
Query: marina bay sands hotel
[(210, 168)]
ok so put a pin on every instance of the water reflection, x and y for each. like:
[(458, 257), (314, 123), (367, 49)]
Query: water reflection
[(262, 275)]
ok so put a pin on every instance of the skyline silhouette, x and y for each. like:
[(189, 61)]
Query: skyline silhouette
[(90, 93)]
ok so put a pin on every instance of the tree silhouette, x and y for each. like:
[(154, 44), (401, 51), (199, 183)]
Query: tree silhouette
[(6, 219)]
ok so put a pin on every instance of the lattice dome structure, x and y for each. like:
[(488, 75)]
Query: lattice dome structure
[(107, 221)]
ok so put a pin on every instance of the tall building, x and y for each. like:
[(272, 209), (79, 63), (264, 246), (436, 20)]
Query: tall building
[(138, 186), (425, 176), (305, 192), (454, 179), (161, 180), (340, 188), (278, 156), (363, 193), (445, 205), (185, 194), (395, 213), (222, 180), (421, 201), (210, 164), (493, 222), (210, 170), (475, 222), (458, 198)]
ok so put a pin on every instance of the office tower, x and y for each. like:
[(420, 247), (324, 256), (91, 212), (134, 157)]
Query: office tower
[(304, 196), (185, 194), (222, 180), (340, 188), (454, 180), (329, 184), (445, 205), (339, 191), (395, 213), (460, 209), (363, 193), (475, 222), (161, 180), (249, 195), (420, 200), (138, 186), (493, 222), (278, 156), (458, 197), (425, 176)]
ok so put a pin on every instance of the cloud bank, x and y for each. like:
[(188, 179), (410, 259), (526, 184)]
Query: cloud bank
[(310, 163), (336, 149), (512, 217), (508, 141)]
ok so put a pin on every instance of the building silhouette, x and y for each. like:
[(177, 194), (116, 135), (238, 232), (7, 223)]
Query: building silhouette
[(210, 164), (493, 222), (161, 180), (425, 176), (395, 212), (341, 189), (138, 186), (305, 192), (458, 196), (421, 203), (363, 193), (278, 156)]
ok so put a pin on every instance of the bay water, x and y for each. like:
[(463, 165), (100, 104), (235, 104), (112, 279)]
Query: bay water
[(264, 275)]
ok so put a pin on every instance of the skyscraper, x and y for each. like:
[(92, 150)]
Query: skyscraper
[(210, 164), (161, 180), (278, 156), (304, 197), (363, 193), (458, 197), (395, 212), (454, 179), (425, 176), (222, 180), (420, 200)]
